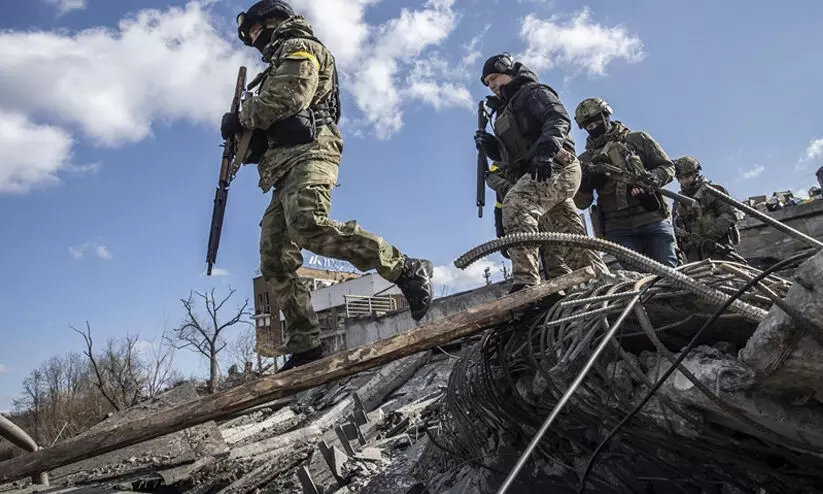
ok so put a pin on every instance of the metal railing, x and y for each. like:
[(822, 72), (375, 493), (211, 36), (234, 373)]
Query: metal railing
[(364, 305)]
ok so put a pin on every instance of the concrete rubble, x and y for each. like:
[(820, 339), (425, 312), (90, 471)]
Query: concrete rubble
[(399, 429)]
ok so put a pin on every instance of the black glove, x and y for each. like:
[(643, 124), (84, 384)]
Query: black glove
[(540, 169), (481, 138), (230, 125)]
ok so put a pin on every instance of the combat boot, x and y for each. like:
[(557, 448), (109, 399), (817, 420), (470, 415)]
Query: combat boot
[(302, 358), (415, 282)]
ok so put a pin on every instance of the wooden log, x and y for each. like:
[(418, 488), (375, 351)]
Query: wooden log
[(268, 388)]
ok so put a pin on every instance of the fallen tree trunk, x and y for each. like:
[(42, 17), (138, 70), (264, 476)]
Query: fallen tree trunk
[(262, 390)]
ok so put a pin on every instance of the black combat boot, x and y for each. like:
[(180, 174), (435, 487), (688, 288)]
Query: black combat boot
[(415, 282), (302, 358)]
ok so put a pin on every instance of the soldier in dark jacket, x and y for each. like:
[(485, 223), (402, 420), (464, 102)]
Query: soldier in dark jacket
[(709, 229), (632, 217), (531, 137)]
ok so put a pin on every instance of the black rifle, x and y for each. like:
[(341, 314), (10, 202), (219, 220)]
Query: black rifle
[(234, 150), (702, 243), (637, 178), (482, 159)]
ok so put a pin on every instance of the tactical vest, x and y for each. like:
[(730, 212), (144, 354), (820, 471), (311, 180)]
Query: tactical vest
[(701, 218), (517, 147), (305, 124), (622, 156)]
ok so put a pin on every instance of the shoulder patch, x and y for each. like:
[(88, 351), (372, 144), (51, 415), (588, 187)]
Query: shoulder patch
[(303, 55)]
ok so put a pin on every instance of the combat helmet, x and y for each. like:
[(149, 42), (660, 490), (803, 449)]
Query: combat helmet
[(590, 108), (685, 165), (259, 12)]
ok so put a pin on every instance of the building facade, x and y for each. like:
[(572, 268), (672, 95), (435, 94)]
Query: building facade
[(336, 297)]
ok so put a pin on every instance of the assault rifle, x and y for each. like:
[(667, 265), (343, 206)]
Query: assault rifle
[(234, 150), (482, 159), (637, 178), (702, 241)]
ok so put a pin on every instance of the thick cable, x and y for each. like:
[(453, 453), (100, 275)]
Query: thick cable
[(716, 297)]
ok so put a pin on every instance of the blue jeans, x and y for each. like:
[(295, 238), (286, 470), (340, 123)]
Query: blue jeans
[(654, 240)]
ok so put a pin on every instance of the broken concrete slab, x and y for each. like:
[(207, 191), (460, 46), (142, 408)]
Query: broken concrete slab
[(779, 336), (174, 449)]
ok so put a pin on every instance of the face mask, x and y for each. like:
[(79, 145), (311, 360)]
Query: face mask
[(597, 131), (264, 39)]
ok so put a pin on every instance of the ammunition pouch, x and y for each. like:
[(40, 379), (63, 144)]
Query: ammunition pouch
[(302, 127)]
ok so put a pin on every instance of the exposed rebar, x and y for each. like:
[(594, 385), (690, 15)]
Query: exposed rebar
[(683, 281)]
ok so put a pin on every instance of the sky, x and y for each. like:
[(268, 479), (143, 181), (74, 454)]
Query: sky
[(109, 131)]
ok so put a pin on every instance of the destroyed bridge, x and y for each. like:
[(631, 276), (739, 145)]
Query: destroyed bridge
[(701, 379)]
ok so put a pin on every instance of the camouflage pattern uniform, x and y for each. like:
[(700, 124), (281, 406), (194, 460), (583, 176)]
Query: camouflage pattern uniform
[(711, 223), (302, 74), (561, 219), (532, 124), (623, 217)]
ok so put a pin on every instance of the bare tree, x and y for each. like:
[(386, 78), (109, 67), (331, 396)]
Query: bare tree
[(116, 375), (205, 335), (161, 372), (243, 348)]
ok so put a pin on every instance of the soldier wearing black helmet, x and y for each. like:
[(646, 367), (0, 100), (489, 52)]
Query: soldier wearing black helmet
[(708, 230), (297, 107), (632, 217), (531, 140)]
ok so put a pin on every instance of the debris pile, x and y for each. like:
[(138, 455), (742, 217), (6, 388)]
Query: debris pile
[(740, 413)]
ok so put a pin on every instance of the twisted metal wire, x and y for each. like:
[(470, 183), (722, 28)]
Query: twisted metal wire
[(501, 390)]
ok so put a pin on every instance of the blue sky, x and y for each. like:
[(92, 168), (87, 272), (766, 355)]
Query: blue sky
[(109, 117)]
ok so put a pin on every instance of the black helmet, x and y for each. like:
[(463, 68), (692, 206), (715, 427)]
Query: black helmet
[(498, 64), (260, 11)]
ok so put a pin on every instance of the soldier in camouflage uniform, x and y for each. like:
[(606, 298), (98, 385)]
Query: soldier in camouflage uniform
[(629, 216), (708, 230), (531, 136), (297, 109), (563, 220)]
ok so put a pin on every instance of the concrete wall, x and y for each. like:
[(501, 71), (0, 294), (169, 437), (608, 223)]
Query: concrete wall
[(366, 330), (368, 285), (759, 241)]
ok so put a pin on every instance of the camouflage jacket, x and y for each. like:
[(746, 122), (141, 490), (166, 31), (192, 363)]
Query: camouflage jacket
[(301, 74), (710, 218), (654, 159)]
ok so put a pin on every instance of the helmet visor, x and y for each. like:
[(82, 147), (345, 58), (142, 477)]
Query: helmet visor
[(244, 24)]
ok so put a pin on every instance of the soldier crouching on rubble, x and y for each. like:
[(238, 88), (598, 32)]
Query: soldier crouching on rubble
[(630, 216), (297, 105), (708, 230), (531, 136)]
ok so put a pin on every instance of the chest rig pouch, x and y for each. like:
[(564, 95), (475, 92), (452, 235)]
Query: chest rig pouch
[(621, 156), (302, 127)]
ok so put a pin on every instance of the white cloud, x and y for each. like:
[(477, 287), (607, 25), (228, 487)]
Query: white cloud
[(815, 149), (94, 246), (396, 43), (448, 279), (219, 272), (3, 368), (32, 153), (66, 6), (577, 43), (754, 172), (159, 67)]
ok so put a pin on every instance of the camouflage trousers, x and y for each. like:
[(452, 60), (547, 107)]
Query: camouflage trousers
[(531, 206), (298, 218)]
